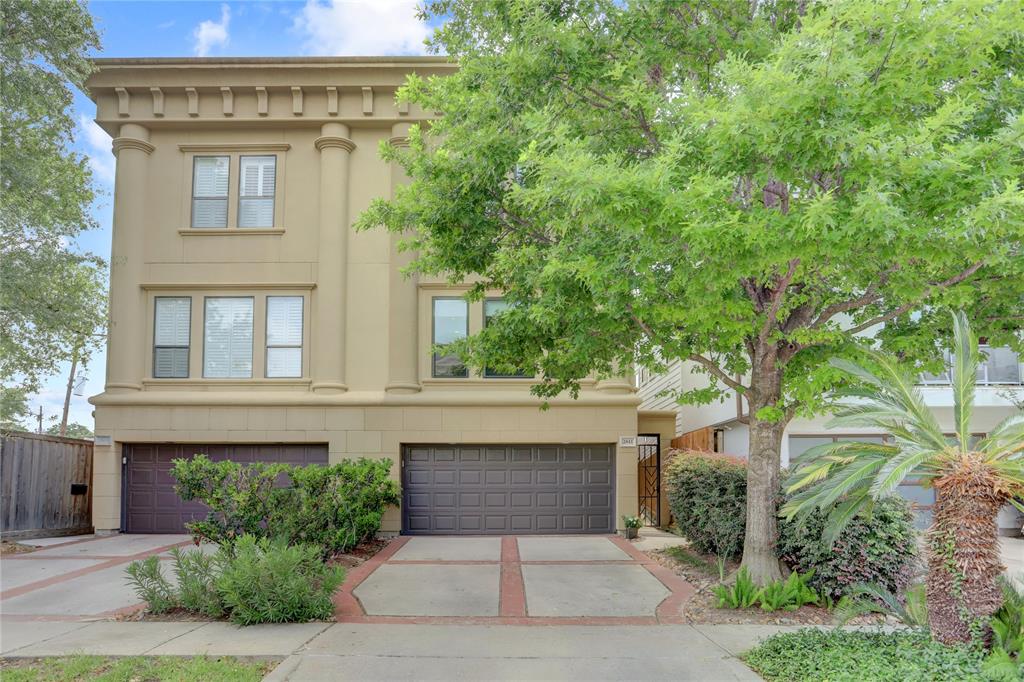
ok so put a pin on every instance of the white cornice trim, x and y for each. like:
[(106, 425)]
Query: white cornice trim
[(236, 147), (246, 286)]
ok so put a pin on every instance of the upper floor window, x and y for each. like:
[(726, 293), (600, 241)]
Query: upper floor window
[(492, 308), (450, 323), (998, 366), (210, 191), (227, 337), (257, 177), (172, 326), (284, 336)]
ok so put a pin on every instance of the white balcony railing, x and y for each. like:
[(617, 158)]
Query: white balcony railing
[(1000, 367)]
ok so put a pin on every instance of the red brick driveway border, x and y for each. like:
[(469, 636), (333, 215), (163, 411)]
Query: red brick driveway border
[(512, 597)]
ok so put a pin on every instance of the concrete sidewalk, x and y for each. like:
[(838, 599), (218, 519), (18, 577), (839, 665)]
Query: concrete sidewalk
[(358, 651)]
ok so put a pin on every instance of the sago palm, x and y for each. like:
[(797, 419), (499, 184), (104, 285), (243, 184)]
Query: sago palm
[(972, 481)]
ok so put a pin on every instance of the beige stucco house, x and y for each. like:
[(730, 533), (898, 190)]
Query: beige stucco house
[(249, 321)]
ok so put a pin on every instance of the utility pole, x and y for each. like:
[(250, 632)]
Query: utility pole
[(67, 393), (39, 417)]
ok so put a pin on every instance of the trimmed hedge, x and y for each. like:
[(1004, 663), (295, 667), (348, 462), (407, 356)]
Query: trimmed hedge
[(881, 548)]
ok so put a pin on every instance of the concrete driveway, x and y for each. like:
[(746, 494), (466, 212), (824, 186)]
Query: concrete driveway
[(526, 580), (75, 578)]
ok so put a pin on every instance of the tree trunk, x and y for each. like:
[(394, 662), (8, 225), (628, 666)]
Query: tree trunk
[(963, 554), (763, 466)]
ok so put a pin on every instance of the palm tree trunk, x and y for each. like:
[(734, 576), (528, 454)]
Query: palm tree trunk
[(963, 555)]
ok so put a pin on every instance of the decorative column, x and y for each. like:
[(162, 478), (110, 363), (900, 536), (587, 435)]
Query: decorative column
[(328, 367), (126, 347), (403, 303)]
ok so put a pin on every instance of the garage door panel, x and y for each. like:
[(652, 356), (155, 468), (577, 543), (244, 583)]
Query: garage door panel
[(508, 489), (151, 504)]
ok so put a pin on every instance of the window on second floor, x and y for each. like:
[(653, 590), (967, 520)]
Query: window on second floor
[(450, 323), (284, 336), (998, 366), (257, 176), (210, 191), (227, 337), (171, 330), (492, 308)]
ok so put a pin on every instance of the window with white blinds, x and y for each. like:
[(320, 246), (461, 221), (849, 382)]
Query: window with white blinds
[(284, 336), (210, 191), (172, 325), (256, 179), (227, 338)]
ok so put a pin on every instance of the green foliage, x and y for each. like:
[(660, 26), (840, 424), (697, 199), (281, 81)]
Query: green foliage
[(1006, 660), (333, 507), (685, 556), (708, 498), (197, 573), (73, 430), (879, 548), (147, 578), (811, 655), (269, 581), (177, 668), (741, 594), (632, 521), (911, 611), (13, 408), (53, 298), (789, 594)]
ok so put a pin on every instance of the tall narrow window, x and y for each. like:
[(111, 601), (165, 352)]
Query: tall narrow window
[(210, 191), (172, 325), (451, 323), (257, 175), (227, 338), (284, 336), (492, 308)]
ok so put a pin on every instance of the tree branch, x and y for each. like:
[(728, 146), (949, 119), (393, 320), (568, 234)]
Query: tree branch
[(781, 284), (713, 367)]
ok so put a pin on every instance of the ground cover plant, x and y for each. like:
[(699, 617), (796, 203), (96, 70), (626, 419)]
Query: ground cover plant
[(178, 668), (813, 655)]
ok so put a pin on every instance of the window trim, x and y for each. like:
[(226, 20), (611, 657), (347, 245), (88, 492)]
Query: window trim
[(227, 197), (188, 347), (266, 336), (252, 339), (273, 197), (487, 373), (433, 335)]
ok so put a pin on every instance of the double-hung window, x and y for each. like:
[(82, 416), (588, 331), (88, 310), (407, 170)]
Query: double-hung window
[(210, 191), (172, 326), (492, 308), (227, 337), (451, 323), (284, 336), (257, 177)]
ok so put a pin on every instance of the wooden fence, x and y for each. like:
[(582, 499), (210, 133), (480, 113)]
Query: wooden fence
[(45, 485)]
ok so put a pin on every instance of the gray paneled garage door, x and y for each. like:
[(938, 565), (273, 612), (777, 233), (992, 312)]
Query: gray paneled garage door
[(494, 489), (150, 503)]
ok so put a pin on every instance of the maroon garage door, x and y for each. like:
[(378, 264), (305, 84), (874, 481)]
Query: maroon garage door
[(150, 503)]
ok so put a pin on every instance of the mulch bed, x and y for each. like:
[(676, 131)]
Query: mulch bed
[(702, 608), (9, 547)]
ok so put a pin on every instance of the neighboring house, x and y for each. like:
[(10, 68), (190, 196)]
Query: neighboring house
[(249, 321), (721, 426)]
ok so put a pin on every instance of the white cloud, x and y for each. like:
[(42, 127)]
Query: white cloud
[(361, 27), (97, 149), (209, 33), (165, 24)]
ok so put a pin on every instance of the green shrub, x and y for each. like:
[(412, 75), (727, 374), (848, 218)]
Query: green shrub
[(879, 549), (812, 655), (147, 578), (741, 594), (912, 610), (708, 498), (269, 581), (336, 507), (789, 594), (1006, 660), (333, 507), (197, 574)]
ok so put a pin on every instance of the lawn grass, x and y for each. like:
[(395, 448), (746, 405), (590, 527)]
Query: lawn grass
[(136, 668), (857, 656), (692, 559)]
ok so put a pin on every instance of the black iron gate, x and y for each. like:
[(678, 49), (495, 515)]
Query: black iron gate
[(649, 477)]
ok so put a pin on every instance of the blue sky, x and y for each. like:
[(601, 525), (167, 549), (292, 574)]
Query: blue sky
[(212, 29)]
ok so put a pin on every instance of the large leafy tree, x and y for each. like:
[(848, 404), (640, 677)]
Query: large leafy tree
[(743, 186), (972, 480), (52, 297)]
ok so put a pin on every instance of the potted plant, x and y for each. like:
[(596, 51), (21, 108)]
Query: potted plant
[(632, 524)]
